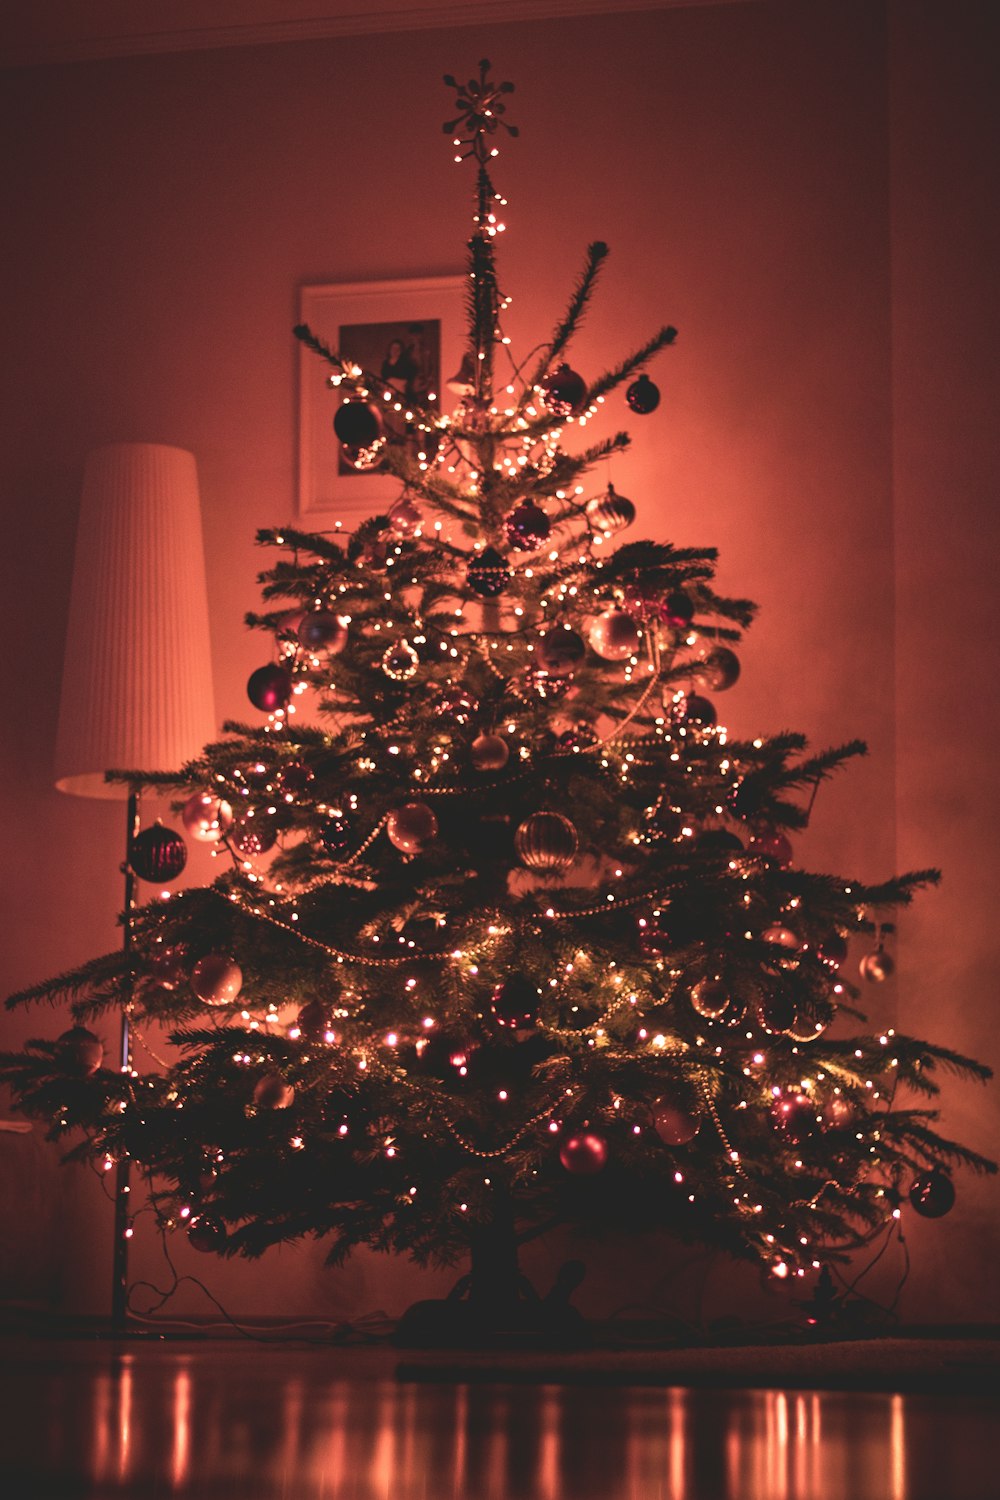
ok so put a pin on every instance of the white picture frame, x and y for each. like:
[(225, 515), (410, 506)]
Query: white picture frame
[(365, 314)]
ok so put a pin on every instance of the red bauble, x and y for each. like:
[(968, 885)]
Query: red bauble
[(527, 526), (456, 706), (206, 817), (832, 950), (488, 752), (546, 841), (932, 1194), (158, 854), (487, 574), (610, 512), (719, 670), (515, 1002), (876, 967), (294, 777), (693, 711), (322, 630), (80, 1051), (710, 998), (584, 1153), (776, 1012), (614, 635), (358, 424), (207, 1235), (405, 517), (272, 1092), (216, 980), (269, 688), (411, 827), (796, 1117), (559, 650), (564, 392), (677, 610), (643, 396), (675, 1125), (337, 833), (313, 1021), (771, 843), (167, 965), (254, 834)]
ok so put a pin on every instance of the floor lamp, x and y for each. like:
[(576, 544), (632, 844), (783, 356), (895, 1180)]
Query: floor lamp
[(137, 677)]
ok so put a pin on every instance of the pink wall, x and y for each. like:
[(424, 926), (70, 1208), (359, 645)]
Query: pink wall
[(738, 160)]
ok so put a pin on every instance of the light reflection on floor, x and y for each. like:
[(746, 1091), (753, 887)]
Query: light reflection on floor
[(278, 1425)]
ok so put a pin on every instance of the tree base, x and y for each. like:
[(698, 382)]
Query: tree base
[(470, 1318)]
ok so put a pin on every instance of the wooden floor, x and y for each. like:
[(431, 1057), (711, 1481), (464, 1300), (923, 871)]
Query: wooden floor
[(264, 1421)]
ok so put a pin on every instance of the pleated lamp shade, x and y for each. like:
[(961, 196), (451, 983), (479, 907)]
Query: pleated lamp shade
[(137, 676)]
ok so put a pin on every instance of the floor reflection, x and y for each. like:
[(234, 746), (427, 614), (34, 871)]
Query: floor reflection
[(276, 1425)]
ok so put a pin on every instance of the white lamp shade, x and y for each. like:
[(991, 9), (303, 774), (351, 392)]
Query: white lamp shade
[(137, 676)]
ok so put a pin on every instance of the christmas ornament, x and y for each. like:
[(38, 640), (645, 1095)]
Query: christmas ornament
[(580, 737), (559, 650), (272, 1092), (654, 939), (932, 1194), (838, 1112), (206, 817), (295, 777), (795, 1117), (673, 1124), (832, 950), (771, 843), (782, 937), (515, 1002), (206, 1234), (405, 517), (322, 630), (400, 661), (168, 966), (747, 798), (527, 526), (363, 459), (776, 1012), (411, 827), (584, 1154), (358, 424), (488, 752), (610, 512), (313, 1021), (719, 670), (546, 841), (643, 396), (811, 1023), (337, 833), (614, 635), (876, 967), (80, 1051), (693, 711), (487, 574), (216, 980), (254, 834), (457, 706), (564, 392), (269, 688), (158, 854), (719, 841), (710, 997), (677, 610), (443, 1053)]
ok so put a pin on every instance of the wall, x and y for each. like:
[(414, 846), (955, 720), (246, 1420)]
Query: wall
[(737, 158)]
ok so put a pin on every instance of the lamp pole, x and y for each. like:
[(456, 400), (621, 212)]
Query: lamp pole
[(123, 1227)]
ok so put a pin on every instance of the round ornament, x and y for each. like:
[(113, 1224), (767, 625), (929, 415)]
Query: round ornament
[(158, 854), (411, 827), (719, 841), (405, 517), (795, 1117), (546, 841), (643, 396), (400, 661), (254, 834), (746, 798), (838, 1112), (771, 843), (811, 1023), (337, 833), (710, 998), (456, 706), (610, 512), (675, 1125), (578, 737), (932, 1194), (269, 688), (559, 650), (876, 967), (80, 1051), (584, 1153), (271, 1091), (564, 392), (832, 950), (206, 817), (527, 526), (322, 630), (295, 777), (358, 424), (206, 1234), (782, 937), (776, 1012), (167, 966), (489, 752), (487, 574), (614, 635), (216, 979), (677, 610), (515, 1003), (313, 1021), (693, 711), (719, 671)]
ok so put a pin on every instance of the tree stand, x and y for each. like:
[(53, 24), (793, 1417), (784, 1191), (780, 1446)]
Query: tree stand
[(493, 1303)]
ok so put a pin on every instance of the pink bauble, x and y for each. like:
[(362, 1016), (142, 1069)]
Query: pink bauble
[(411, 827), (675, 1126), (206, 817), (489, 752), (273, 1092), (614, 635), (216, 979), (546, 841), (322, 630), (584, 1154)]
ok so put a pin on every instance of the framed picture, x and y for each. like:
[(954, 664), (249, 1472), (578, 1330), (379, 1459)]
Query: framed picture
[(412, 336)]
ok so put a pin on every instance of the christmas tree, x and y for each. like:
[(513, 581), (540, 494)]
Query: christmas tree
[(512, 936)]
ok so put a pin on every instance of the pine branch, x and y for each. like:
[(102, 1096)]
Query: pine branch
[(627, 367), (597, 253)]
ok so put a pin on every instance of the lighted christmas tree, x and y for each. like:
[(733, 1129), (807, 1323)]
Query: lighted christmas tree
[(512, 935)]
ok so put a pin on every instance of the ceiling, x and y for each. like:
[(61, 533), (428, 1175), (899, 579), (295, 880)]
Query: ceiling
[(49, 31)]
